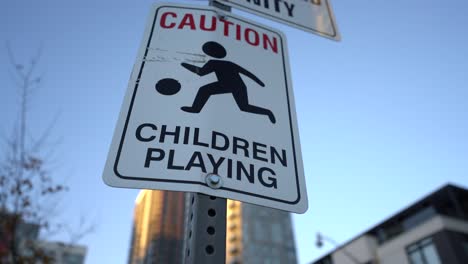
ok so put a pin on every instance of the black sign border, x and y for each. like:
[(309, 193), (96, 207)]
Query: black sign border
[(197, 182)]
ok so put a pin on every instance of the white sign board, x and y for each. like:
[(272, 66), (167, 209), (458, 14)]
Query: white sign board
[(210, 95), (315, 16)]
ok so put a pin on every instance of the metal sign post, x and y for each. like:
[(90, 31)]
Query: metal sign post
[(205, 236)]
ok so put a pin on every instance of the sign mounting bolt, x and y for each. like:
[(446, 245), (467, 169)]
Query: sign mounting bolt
[(214, 181)]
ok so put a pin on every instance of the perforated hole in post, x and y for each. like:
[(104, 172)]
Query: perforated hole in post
[(209, 250), (211, 212), (210, 230)]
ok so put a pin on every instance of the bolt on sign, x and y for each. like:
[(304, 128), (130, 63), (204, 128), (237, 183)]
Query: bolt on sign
[(315, 16), (210, 109)]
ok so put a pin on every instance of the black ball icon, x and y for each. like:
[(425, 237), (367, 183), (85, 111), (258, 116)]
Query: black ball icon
[(168, 86)]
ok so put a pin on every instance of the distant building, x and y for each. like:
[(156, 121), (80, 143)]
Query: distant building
[(433, 230), (257, 234), (25, 233), (254, 234), (158, 228), (29, 247), (63, 253)]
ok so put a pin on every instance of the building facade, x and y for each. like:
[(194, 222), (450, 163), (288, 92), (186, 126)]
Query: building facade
[(254, 234), (30, 249), (257, 234), (63, 253), (158, 228), (25, 234), (433, 230)]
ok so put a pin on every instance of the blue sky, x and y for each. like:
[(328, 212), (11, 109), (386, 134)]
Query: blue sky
[(383, 114)]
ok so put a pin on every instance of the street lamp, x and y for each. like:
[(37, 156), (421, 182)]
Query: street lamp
[(319, 239)]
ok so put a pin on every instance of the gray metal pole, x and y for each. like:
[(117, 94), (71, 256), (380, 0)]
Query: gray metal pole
[(206, 233), (205, 237)]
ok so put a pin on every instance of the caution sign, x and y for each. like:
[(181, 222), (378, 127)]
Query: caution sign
[(209, 108)]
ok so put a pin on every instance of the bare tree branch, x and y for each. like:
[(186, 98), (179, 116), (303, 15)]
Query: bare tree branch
[(28, 191)]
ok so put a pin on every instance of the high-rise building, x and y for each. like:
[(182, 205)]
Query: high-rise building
[(158, 228), (433, 230), (257, 234), (254, 234)]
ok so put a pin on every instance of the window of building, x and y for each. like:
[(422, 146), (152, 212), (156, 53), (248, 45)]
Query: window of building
[(260, 233), (325, 260), (276, 234), (292, 256), (465, 247), (71, 258), (418, 217), (423, 252), (403, 224), (235, 261), (234, 250)]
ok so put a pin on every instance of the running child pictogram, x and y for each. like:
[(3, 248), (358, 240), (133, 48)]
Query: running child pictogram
[(229, 81)]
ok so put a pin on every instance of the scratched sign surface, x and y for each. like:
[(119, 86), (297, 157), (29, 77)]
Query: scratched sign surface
[(315, 16), (210, 95)]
